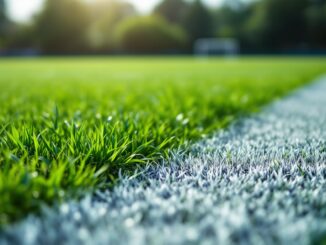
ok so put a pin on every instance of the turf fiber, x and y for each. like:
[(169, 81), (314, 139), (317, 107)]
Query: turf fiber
[(69, 126)]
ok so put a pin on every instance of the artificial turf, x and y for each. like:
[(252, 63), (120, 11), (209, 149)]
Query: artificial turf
[(69, 125)]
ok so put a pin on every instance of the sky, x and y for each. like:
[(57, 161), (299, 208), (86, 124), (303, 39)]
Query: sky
[(22, 10)]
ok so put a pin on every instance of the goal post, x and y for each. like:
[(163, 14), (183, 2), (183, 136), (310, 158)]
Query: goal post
[(216, 46)]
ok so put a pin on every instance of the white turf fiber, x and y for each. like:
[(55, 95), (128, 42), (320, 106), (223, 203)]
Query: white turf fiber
[(261, 181)]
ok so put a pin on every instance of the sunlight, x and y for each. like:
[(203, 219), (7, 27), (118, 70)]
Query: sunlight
[(144, 5), (22, 10)]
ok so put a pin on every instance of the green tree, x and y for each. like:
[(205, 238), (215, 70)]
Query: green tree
[(105, 16), (62, 25), (277, 24), (2, 10), (231, 20), (198, 21), (3, 22), (316, 24), (172, 10), (150, 34)]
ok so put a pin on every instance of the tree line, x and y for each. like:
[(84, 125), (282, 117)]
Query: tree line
[(112, 26)]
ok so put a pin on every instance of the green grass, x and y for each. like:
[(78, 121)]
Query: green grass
[(70, 125)]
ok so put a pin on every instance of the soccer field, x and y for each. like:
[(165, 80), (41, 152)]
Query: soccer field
[(72, 125)]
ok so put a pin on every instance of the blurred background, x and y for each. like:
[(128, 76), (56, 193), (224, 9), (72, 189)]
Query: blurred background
[(35, 27)]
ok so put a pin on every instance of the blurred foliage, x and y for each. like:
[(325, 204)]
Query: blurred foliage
[(316, 24), (172, 10), (3, 23), (277, 24), (105, 17), (229, 20), (198, 21), (70, 26), (61, 26), (68, 126), (150, 34)]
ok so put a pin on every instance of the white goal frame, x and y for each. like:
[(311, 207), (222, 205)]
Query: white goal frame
[(216, 46)]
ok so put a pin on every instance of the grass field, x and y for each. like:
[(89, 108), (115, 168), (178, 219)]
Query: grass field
[(70, 125)]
